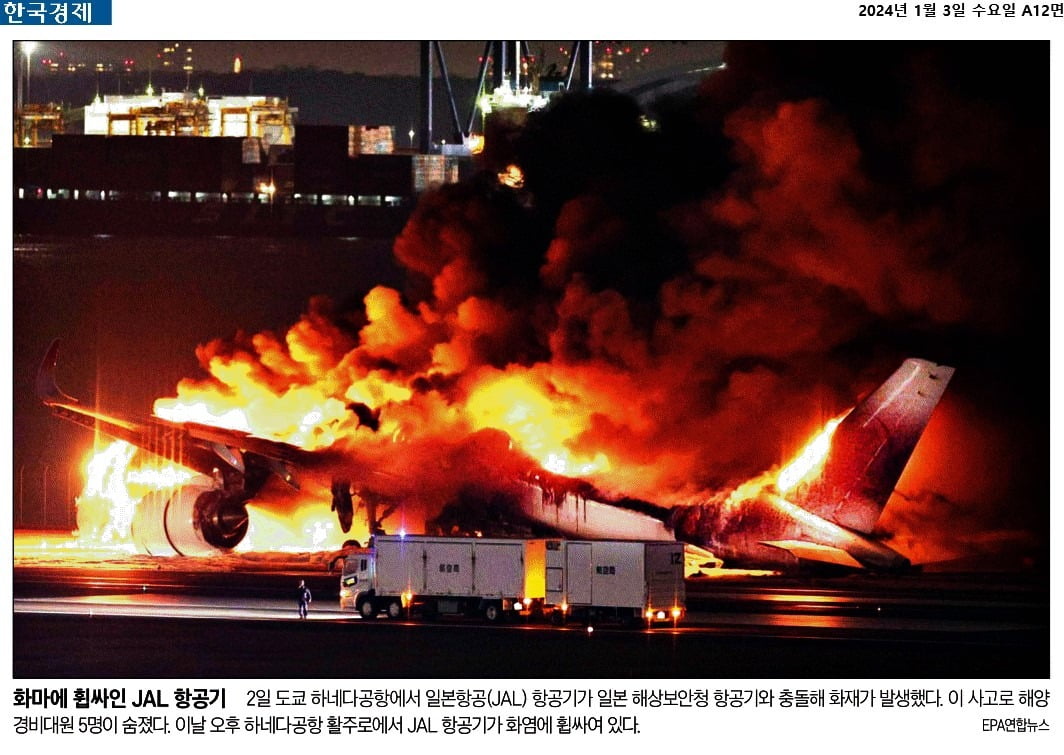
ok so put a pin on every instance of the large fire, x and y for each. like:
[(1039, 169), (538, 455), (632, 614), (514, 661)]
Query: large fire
[(543, 426), (657, 318), (117, 480)]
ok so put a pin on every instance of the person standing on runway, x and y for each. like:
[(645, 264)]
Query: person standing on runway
[(304, 599)]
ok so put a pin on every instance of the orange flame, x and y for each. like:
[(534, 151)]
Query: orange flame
[(543, 426), (310, 527), (116, 483), (805, 466), (302, 418), (810, 460), (113, 488)]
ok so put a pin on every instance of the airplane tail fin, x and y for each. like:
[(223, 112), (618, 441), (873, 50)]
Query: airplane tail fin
[(872, 445)]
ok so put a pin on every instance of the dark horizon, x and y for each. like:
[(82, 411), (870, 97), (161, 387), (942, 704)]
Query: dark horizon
[(372, 58), (319, 79)]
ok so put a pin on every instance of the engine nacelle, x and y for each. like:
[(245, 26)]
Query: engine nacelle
[(197, 519)]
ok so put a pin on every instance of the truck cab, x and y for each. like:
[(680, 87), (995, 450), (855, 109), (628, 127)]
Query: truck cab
[(356, 578)]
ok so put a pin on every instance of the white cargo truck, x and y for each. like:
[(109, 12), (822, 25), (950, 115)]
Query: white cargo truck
[(632, 581), (401, 574), (629, 580)]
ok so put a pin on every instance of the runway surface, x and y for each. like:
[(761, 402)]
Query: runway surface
[(131, 618)]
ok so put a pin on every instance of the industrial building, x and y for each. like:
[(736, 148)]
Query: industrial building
[(182, 164), (186, 114)]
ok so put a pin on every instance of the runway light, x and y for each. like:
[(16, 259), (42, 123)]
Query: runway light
[(590, 629)]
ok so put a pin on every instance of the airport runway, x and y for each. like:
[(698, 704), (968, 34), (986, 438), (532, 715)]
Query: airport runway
[(143, 623)]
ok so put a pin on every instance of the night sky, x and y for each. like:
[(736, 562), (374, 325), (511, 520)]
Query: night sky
[(385, 58)]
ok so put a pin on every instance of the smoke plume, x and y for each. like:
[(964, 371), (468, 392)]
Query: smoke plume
[(667, 311)]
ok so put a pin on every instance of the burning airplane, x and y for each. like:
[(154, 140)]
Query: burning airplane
[(821, 507), (641, 335)]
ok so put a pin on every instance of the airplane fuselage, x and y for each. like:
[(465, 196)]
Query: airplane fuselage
[(758, 532)]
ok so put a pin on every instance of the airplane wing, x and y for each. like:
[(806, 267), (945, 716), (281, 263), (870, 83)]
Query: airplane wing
[(196, 446)]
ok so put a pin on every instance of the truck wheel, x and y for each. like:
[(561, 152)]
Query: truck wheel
[(492, 613), (366, 609), (395, 609)]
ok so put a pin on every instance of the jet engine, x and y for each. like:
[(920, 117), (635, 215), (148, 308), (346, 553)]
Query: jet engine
[(197, 519)]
